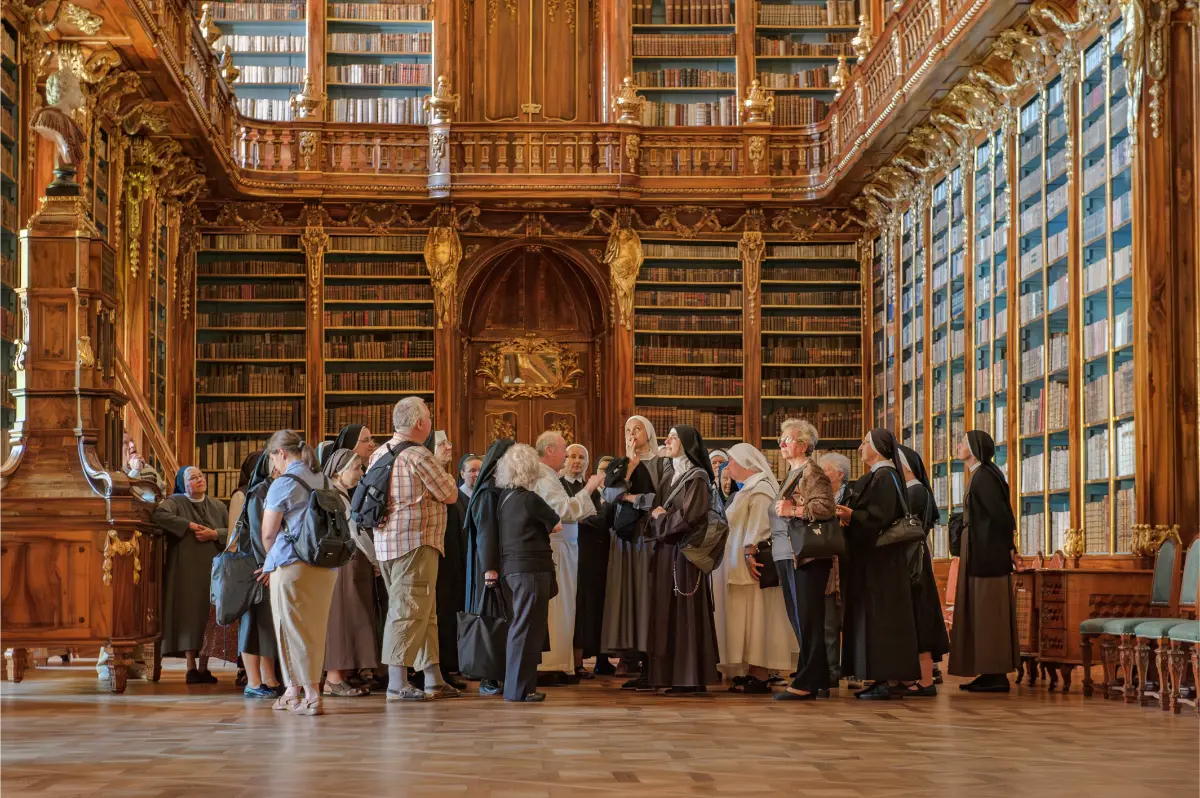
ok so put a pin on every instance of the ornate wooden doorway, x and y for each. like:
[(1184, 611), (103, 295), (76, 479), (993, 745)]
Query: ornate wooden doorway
[(532, 322)]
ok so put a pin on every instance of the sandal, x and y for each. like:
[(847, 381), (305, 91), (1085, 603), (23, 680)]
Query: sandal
[(343, 690), (407, 693), (309, 706), (286, 703)]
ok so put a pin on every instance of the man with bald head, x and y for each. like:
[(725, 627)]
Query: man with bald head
[(552, 451)]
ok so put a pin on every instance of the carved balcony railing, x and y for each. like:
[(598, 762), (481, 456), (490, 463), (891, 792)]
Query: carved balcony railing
[(797, 163)]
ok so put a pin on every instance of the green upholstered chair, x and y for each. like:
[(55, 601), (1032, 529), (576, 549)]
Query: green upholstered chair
[(1184, 645), (1156, 633), (1163, 588)]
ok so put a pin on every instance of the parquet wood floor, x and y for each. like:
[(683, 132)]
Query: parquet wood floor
[(63, 735)]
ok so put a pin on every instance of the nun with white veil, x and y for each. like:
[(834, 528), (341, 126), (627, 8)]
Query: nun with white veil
[(754, 635), (632, 484)]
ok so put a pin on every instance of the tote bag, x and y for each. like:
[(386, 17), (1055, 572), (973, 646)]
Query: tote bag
[(483, 637)]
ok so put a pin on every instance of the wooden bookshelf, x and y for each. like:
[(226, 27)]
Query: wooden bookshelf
[(269, 41), (379, 61), (10, 199), (911, 331), (810, 337), (251, 377), (796, 48), (377, 317)]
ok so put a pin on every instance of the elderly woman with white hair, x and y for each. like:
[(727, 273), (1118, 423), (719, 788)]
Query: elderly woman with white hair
[(197, 528), (516, 555), (838, 468), (753, 634)]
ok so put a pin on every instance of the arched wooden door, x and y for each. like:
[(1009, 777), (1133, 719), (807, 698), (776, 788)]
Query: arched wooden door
[(532, 319)]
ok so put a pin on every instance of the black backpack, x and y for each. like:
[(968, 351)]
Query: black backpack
[(323, 536), (369, 506)]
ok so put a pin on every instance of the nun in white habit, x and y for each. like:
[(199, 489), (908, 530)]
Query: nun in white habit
[(754, 635)]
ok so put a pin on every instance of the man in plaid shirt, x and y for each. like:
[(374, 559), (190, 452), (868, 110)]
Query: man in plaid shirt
[(408, 546)]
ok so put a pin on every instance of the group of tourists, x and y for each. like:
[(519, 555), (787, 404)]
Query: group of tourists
[(675, 568)]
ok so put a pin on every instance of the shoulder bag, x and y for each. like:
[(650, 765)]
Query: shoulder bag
[(905, 529)]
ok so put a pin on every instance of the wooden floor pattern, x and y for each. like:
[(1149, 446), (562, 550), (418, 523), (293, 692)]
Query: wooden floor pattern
[(63, 735)]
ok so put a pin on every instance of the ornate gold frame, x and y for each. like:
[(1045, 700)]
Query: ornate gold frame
[(491, 368)]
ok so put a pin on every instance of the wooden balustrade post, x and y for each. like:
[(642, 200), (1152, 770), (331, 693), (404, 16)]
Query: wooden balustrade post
[(314, 59), (615, 56)]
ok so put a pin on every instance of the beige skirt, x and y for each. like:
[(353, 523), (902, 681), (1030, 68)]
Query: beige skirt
[(300, 599)]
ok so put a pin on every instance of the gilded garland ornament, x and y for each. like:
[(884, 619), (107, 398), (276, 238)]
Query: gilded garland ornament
[(752, 249), (315, 242), (529, 368), (115, 547)]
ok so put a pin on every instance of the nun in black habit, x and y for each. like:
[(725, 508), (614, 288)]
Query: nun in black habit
[(879, 638), (932, 641), (683, 638), (451, 585), (985, 618)]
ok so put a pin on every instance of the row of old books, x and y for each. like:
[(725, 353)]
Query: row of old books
[(837, 423), (833, 12), (248, 241), (255, 415), (690, 251), (381, 12), (251, 379), (379, 347), (281, 290), (265, 108), (381, 74), (802, 298), (243, 43), (228, 453), (379, 318), (386, 268), (703, 299), (379, 381), (844, 385), (256, 12), (709, 423), (799, 111), (663, 274), (689, 385), (683, 12), (686, 79), (264, 346), (777, 350), (397, 243), (250, 268), (800, 79), (676, 354), (690, 44), (810, 274), (808, 323), (375, 415), (404, 292), (671, 323), (260, 319), (258, 73), (8, 44), (378, 110), (721, 112), (844, 251), (835, 44), (408, 43)]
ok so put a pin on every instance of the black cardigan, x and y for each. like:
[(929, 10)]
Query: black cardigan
[(519, 541)]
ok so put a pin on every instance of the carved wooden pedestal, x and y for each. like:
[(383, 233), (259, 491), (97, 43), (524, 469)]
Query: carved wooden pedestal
[(80, 562)]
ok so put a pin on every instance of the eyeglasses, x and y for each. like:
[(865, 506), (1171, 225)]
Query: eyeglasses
[(786, 439)]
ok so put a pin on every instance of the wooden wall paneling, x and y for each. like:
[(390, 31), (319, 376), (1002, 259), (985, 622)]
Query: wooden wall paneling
[(448, 18), (314, 24), (1183, 99), (745, 15), (560, 81), (613, 53), (501, 60)]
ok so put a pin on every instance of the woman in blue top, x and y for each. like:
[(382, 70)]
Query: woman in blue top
[(300, 594)]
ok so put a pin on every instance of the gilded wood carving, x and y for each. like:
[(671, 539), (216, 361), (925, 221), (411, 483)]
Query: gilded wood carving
[(529, 368)]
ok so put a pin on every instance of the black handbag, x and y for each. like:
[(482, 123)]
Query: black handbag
[(816, 539), (233, 588), (905, 529), (768, 575), (483, 637)]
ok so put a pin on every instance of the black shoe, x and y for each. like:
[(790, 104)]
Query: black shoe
[(937, 675), (241, 680), (206, 677), (532, 697), (455, 681), (989, 687), (788, 695), (898, 690), (490, 687), (682, 691), (604, 667), (552, 679), (978, 681), (921, 692), (879, 692), (823, 693), (755, 686), (635, 683), (193, 677)]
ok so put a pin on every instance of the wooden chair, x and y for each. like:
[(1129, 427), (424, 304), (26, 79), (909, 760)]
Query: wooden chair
[(1157, 633), (1184, 639), (1164, 590)]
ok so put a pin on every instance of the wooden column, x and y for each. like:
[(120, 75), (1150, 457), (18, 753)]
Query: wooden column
[(1075, 425), (752, 250), (1012, 351), (924, 210), (614, 53), (744, 14), (445, 24), (314, 60)]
